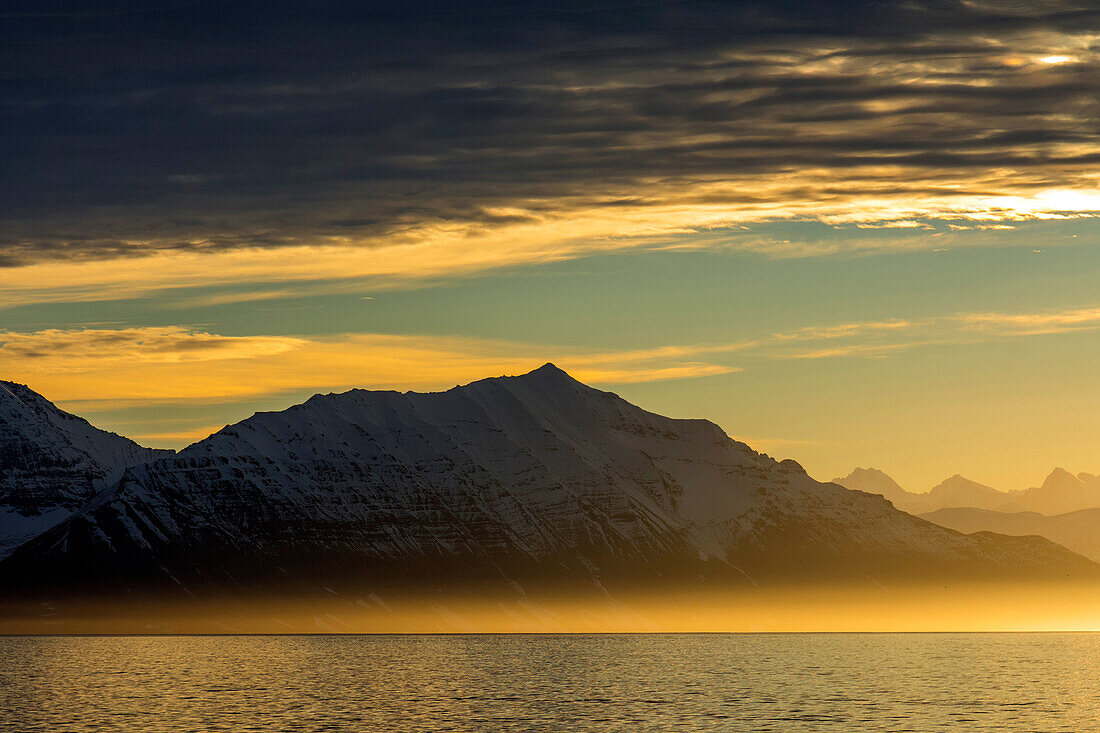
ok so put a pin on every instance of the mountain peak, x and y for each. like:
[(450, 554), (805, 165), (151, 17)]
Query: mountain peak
[(1060, 476), (958, 480), (874, 481), (872, 478), (961, 491), (14, 393), (23, 408), (548, 371), (549, 376), (549, 368), (871, 471)]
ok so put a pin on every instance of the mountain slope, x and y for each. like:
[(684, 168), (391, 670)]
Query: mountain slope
[(510, 482), (1078, 531), (52, 463)]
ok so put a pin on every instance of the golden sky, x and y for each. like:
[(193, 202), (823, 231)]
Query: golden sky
[(851, 235)]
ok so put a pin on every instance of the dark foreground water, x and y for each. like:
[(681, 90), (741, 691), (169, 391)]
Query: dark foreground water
[(802, 682)]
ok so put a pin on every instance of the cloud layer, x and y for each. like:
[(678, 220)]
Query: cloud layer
[(459, 137), (175, 364), (188, 366)]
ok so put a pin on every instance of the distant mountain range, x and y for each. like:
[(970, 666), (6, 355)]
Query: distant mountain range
[(1078, 531), (505, 484), (1060, 493)]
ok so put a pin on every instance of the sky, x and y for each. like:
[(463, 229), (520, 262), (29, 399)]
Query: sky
[(851, 233)]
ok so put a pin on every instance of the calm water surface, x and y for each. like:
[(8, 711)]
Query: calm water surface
[(836, 682)]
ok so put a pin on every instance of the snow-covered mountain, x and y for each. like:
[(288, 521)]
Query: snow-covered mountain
[(512, 482), (52, 463), (1078, 531)]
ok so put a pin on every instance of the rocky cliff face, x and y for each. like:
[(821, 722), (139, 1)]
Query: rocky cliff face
[(514, 481), (52, 463)]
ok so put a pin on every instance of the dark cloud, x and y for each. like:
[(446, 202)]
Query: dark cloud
[(143, 126)]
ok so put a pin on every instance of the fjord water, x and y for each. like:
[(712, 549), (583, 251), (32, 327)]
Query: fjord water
[(607, 682)]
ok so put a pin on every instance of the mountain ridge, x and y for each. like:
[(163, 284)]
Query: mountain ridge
[(1061, 492), (1078, 530), (511, 483)]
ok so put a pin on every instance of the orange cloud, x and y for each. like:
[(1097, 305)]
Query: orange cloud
[(881, 339), (176, 364), (173, 364), (1035, 323), (550, 231)]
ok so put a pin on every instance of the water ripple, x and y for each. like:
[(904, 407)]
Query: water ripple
[(582, 683)]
